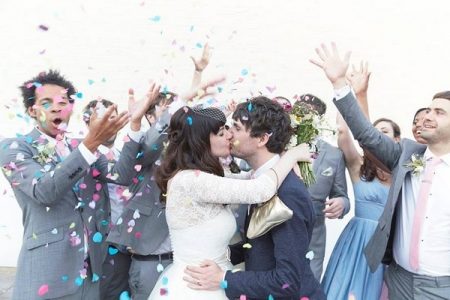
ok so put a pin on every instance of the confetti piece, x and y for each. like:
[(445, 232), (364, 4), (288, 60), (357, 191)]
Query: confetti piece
[(95, 277), (95, 172), (79, 95), (165, 280), (96, 197), (159, 268), (98, 186), (119, 221), (249, 107), (155, 18), (97, 238), (192, 28), (112, 250), (54, 231), (136, 214), (271, 89), (64, 278), (186, 110), (351, 296), (309, 255), (285, 286), (82, 186), (163, 292), (72, 225), (189, 120), (224, 284), (243, 297), (90, 82), (244, 72), (270, 297), (138, 167), (198, 45), (131, 223), (126, 139), (247, 246), (43, 289), (307, 298), (43, 27), (125, 296), (79, 281), (92, 204)]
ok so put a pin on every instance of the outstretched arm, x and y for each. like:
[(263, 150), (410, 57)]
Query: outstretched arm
[(200, 65)]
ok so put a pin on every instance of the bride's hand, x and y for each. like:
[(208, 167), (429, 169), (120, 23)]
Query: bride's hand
[(302, 153)]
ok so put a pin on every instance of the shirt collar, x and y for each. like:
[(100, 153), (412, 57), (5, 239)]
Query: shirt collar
[(267, 165), (428, 155)]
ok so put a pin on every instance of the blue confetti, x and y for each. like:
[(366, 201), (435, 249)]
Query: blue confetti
[(219, 89), (112, 250), (95, 277), (90, 82), (165, 280), (140, 154), (79, 281), (155, 18), (189, 120), (192, 28), (244, 72), (224, 284), (97, 238), (79, 95), (104, 222), (37, 84), (28, 139), (64, 278), (124, 296), (249, 107), (154, 147), (198, 45)]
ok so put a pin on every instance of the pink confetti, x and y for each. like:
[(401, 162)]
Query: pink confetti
[(43, 290), (95, 172), (243, 297), (83, 186), (138, 235), (138, 167), (98, 186), (96, 197), (304, 298), (197, 172), (126, 139), (285, 286), (271, 89), (74, 143)]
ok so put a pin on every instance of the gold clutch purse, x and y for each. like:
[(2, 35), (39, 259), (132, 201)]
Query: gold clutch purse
[(268, 215)]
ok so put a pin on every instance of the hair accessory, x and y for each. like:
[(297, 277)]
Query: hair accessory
[(210, 112)]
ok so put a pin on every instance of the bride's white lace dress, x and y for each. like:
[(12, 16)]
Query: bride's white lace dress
[(201, 227)]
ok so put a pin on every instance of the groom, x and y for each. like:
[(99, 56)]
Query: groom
[(276, 263)]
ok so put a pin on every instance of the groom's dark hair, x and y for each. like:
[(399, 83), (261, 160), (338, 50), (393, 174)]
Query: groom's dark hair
[(262, 115)]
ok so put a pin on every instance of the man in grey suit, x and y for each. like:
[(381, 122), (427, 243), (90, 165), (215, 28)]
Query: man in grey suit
[(142, 227), (413, 232), (329, 192), (60, 185)]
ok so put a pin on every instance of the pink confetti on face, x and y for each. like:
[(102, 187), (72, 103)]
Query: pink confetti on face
[(43, 289)]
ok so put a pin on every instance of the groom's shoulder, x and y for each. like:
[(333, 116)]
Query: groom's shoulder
[(293, 184)]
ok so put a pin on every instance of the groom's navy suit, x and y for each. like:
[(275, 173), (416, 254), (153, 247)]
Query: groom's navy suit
[(276, 263)]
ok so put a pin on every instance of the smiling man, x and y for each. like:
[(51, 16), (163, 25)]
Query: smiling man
[(414, 229), (60, 185)]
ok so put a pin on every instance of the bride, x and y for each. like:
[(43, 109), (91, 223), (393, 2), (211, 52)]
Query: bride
[(192, 180)]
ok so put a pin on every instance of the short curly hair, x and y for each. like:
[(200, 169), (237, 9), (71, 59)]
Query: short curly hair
[(28, 88), (262, 115)]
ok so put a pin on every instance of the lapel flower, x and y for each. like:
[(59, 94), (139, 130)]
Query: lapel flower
[(417, 164), (46, 153)]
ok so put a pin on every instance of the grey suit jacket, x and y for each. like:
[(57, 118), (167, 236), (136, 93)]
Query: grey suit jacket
[(329, 172), (393, 155), (150, 226), (59, 201)]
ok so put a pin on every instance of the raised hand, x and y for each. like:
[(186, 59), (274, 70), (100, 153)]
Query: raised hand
[(138, 109), (332, 64), (206, 89), (202, 63), (359, 79), (101, 129), (302, 152)]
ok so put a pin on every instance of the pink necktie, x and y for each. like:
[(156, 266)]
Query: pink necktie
[(419, 214)]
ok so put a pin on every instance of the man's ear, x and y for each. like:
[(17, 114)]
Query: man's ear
[(263, 140), (32, 111)]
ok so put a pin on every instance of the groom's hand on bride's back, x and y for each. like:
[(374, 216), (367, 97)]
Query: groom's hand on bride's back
[(208, 276)]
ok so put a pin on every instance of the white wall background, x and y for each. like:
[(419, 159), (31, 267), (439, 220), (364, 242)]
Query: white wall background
[(105, 47)]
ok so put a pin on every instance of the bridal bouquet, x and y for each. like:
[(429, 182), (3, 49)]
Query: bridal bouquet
[(307, 126)]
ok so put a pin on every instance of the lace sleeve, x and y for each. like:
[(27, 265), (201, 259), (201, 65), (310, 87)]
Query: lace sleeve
[(209, 188), (241, 175)]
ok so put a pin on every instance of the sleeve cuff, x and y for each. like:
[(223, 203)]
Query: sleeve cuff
[(135, 135), (342, 92), (87, 155)]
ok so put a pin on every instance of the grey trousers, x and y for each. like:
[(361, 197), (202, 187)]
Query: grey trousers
[(88, 291), (115, 276), (317, 246), (143, 276), (404, 285)]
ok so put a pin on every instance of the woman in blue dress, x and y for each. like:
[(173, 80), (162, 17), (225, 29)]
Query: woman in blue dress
[(347, 275)]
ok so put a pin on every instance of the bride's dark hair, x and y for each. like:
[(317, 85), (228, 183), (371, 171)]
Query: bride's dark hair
[(189, 145)]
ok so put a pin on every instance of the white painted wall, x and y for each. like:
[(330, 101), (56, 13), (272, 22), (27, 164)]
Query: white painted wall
[(107, 46)]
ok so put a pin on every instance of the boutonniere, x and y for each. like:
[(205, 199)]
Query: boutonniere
[(417, 164), (46, 153)]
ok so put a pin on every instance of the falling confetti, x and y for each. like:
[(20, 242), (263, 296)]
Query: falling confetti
[(43, 27), (155, 18), (247, 246), (124, 296), (97, 238), (224, 284), (159, 268), (43, 289), (244, 72), (112, 250), (189, 120)]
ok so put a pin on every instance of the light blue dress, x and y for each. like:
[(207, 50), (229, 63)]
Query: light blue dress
[(347, 273)]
